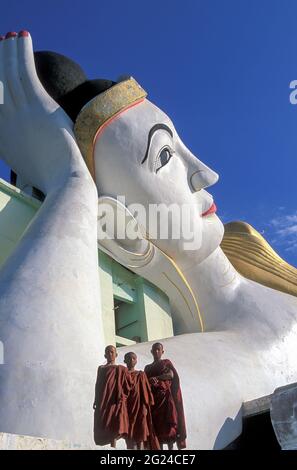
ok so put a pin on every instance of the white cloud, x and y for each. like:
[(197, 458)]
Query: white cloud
[(292, 218), (292, 248), (284, 231), (288, 230)]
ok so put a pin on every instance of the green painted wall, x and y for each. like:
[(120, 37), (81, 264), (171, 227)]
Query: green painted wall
[(105, 273), (158, 315), (143, 313), (16, 212)]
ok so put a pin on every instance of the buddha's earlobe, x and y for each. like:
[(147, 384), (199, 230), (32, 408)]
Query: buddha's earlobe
[(119, 233)]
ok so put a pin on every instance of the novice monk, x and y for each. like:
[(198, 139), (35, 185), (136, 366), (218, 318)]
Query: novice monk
[(141, 432), (110, 404), (167, 412)]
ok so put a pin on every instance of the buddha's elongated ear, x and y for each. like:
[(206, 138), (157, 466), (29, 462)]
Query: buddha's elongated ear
[(120, 235), (144, 258)]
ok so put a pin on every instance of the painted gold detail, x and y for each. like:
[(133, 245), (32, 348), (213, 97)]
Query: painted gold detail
[(189, 289), (99, 111), (254, 258)]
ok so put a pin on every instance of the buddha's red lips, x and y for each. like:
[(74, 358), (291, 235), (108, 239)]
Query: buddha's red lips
[(211, 210)]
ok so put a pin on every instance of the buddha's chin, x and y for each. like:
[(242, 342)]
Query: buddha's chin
[(187, 253), (212, 232), (212, 235)]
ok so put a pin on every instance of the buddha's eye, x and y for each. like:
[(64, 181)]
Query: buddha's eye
[(163, 158)]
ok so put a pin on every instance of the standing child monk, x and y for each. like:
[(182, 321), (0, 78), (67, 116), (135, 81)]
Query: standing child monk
[(167, 412), (141, 431), (110, 404)]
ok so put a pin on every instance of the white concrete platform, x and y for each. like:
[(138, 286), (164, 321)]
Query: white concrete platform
[(18, 442)]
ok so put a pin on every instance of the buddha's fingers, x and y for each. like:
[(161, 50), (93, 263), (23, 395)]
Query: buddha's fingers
[(1, 75), (11, 69), (5, 103), (31, 84)]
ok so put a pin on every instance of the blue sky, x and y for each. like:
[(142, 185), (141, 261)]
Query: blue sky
[(220, 69)]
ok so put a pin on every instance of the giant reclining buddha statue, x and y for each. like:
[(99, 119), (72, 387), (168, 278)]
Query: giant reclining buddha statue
[(83, 143)]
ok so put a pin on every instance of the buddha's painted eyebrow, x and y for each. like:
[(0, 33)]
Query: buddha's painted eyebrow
[(155, 128)]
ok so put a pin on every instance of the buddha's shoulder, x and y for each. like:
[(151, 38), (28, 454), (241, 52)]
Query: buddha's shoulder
[(255, 259)]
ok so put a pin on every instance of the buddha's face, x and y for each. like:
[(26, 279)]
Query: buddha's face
[(139, 155)]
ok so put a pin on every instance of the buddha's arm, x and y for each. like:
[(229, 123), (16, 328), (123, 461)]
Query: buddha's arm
[(49, 288)]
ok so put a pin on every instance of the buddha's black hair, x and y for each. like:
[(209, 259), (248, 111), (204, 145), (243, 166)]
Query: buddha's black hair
[(66, 82)]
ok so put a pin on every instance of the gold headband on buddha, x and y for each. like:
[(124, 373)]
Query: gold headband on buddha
[(99, 111)]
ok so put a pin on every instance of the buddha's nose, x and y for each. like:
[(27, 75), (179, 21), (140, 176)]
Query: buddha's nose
[(199, 175), (203, 177)]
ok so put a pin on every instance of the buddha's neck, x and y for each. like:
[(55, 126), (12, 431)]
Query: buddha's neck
[(215, 284)]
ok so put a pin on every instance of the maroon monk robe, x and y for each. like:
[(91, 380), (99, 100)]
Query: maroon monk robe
[(139, 404), (167, 412), (111, 391)]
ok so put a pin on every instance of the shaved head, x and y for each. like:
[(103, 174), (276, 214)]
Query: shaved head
[(157, 345), (157, 351)]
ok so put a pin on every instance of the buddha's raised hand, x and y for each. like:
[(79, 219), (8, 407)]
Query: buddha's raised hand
[(36, 138)]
